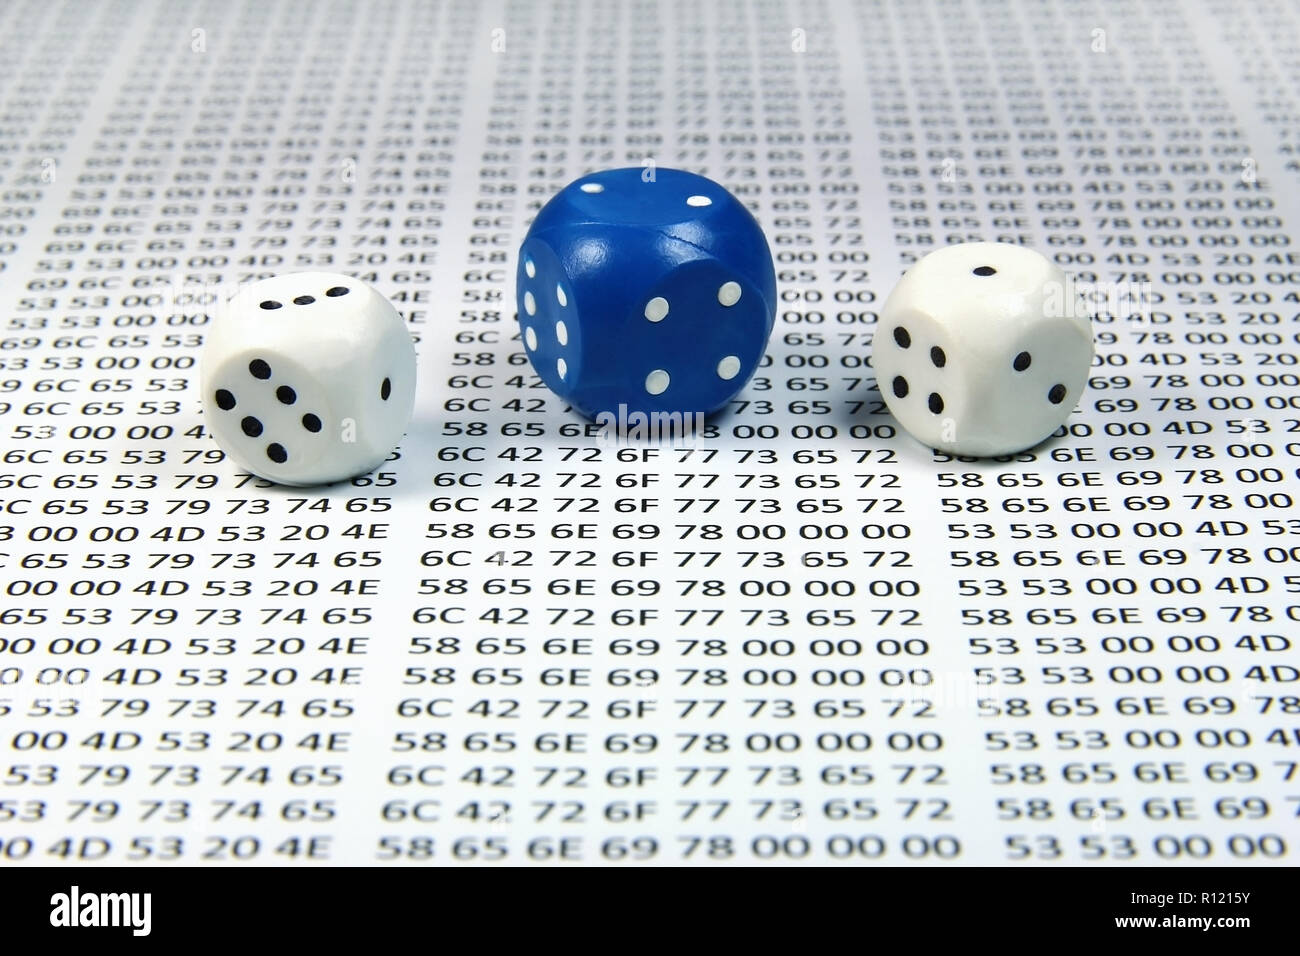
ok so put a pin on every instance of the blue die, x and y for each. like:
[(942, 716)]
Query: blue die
[(651, 291)]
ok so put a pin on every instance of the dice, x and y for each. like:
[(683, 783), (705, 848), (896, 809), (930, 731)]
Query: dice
[(645, 291), (308, 378), (982, 348)]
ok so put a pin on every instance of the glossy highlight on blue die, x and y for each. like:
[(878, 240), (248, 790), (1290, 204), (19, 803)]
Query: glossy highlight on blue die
[(646, 290)]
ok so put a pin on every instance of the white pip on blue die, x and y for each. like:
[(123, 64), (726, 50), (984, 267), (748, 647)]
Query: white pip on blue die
[(308, 378), (982, 348)]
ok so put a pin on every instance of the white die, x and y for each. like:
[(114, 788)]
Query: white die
[(982, 348), (308, 378)]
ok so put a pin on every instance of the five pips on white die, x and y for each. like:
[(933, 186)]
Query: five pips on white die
[(308, 378)]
